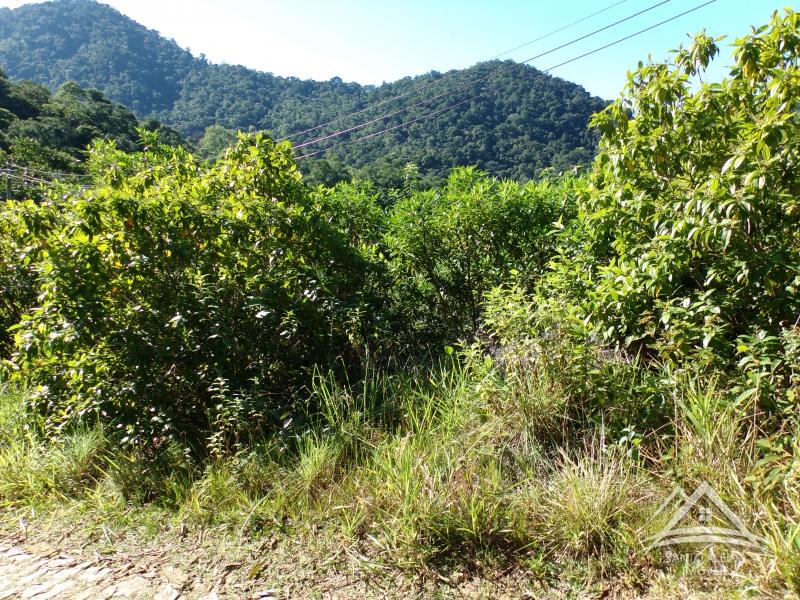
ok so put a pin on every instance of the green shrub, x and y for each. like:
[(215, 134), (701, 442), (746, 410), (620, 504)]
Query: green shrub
[(448, 248), (178, 300), (690, 222), (18, 270), (353, 212), (568, 380)]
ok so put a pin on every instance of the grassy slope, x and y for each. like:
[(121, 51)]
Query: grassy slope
[(453, 480)]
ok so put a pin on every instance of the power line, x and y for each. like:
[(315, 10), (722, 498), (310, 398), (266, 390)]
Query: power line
[(535, 74), (28, 179), (479, 80), (559, 30), (46, 173), (21, 175), (51, 173), (449, 75), (25, 170)]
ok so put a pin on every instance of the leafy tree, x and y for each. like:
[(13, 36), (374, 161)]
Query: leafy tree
[(215, 141), (46, 135), (327, 172), (166, 134), (87, 42), (178, 299), (449, 248), (25, 99), (686, 247), (18, 268)]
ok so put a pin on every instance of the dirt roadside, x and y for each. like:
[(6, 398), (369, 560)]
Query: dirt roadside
[(37, 571)]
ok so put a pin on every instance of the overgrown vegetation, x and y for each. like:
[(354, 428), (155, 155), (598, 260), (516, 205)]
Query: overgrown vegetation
[(475, 378), (44, 135)]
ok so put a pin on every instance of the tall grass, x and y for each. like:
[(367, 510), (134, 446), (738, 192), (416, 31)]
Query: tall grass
[(34, 472), (464, 465)]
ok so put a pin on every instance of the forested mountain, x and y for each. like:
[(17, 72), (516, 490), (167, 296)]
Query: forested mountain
[(527, 122), (43, 132), (95, 46)]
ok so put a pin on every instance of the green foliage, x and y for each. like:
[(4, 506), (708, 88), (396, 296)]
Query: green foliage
[(327, 172), (537, 342), (537, 121), (25, 99), (73, 117), (141, 68), (693, 213), (43, 133), (215, 141), (18, 266), (630, 328), (31, 472), (168, 300), (449, 247), (46, 135), (591, 499)]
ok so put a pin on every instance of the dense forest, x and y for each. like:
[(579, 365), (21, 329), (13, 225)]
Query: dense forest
[(45, 135), (532, 122)]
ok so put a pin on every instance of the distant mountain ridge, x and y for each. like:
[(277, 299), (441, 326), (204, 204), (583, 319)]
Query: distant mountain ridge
[(533, 121)]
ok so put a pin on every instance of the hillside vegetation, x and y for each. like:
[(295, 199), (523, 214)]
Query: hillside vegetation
[(489, 385), (534, 121), (44, 134)]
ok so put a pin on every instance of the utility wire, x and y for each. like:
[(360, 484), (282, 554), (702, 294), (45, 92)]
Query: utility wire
[(54, 174), (535, 74), (559, 30), (31, 179), (27, 179), (34, 181), (42, 173), (449, 75), (47, 173), (479, 80)]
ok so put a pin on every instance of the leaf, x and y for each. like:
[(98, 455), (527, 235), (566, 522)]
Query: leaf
[(257, 568), (728, 164), (748, 393)]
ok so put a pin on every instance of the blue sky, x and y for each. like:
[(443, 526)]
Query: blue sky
[(371, 41)]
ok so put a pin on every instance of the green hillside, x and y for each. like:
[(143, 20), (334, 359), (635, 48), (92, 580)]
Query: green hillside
[(531, 121), (44, 134)]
